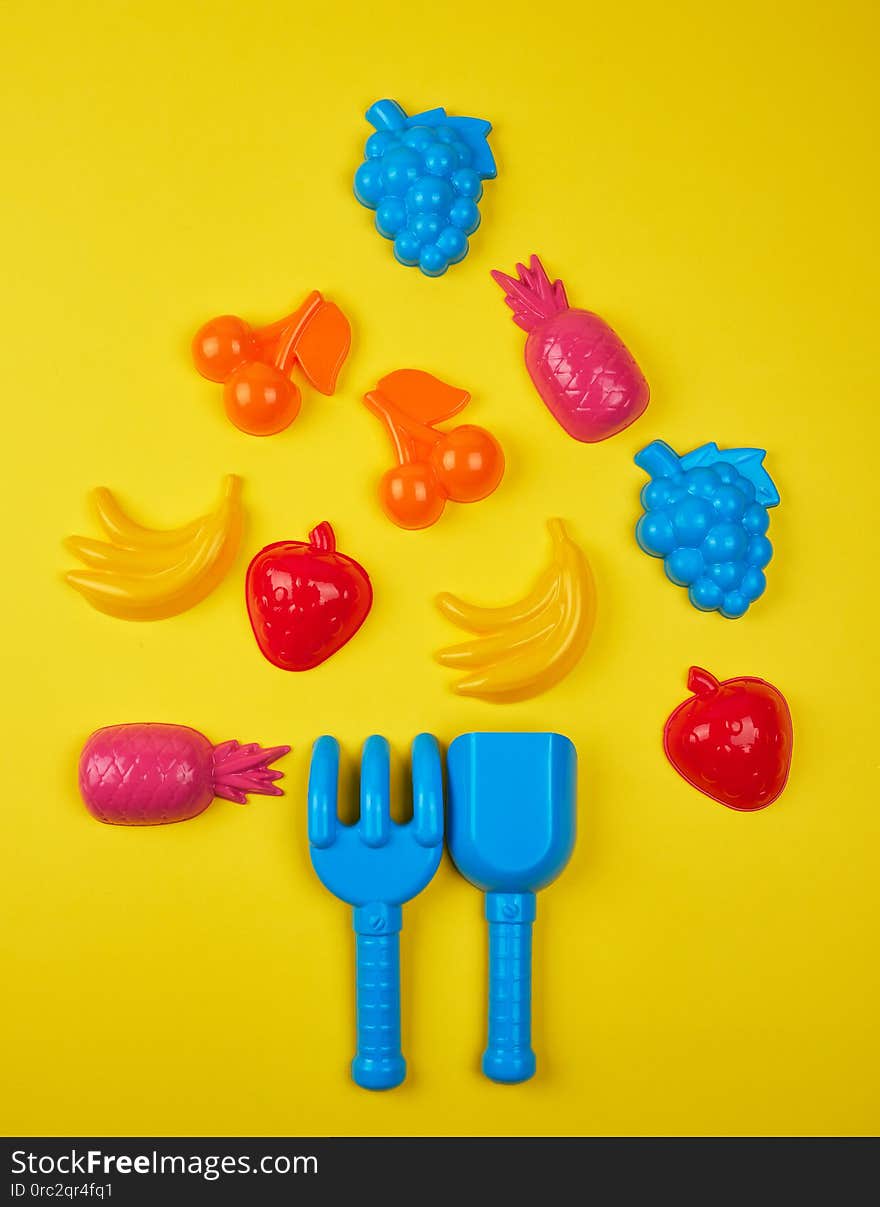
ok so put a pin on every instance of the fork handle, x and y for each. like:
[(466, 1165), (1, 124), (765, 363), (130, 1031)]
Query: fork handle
[(509, 1057), (379, 1063)]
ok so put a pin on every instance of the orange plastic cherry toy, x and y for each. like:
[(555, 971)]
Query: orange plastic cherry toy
[(254, 365), (260, 400), (465, 464)]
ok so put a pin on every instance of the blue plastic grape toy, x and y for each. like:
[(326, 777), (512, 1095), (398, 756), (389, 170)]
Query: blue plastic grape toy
[(706, 516), (423, 176)]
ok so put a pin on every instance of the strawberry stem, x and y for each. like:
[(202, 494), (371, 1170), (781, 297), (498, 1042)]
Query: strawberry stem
[(701, 682), (322, 538)]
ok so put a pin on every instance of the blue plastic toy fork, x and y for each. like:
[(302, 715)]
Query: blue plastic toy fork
[(376, 866)]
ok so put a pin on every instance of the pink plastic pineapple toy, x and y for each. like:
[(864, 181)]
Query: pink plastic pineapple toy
[(583, 371), (146, 775)]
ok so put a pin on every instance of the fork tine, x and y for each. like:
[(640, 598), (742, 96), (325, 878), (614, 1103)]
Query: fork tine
[(427, 791), (375, 822), (323, 791)]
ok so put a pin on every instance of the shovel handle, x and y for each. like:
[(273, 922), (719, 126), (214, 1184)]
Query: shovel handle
[(379, 1063), (509, 1057)]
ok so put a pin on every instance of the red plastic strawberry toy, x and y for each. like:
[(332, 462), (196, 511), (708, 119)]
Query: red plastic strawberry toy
[(305, 600), (731, 740)]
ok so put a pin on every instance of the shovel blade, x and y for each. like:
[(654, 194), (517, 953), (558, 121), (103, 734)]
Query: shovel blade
[(512, 808)]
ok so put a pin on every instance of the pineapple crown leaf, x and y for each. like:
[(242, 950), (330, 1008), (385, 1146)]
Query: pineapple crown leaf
[(530, 295), (240, 769)]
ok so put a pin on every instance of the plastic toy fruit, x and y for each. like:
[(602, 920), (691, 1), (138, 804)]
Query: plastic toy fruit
[(423, 176), (583, 371), (151, 573), (706, 516), (376, 866), (260, 400), (512, 822), (254, 364), (147, 775), (731, 740), (465, 464), (305, 600), (525, 648)]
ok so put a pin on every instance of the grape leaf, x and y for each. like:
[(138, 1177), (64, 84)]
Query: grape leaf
[(428, 117), (706, 454), (747, 461), (422, 396), (473, 131)]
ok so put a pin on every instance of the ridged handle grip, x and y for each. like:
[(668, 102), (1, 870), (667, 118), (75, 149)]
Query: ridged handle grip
[(379, 1063), (509, 1057)]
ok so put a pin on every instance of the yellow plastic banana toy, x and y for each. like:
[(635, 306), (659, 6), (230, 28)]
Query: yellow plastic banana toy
[(526, 647), (150, 573)]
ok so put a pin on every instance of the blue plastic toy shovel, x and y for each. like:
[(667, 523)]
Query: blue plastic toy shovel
[(512, 800), (375, 866)]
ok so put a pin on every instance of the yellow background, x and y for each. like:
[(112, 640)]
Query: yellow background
[(699, 174)]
